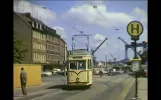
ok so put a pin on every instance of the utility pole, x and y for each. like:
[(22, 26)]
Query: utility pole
[(106, 60)]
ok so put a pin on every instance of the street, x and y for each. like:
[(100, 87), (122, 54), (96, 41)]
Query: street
[(107, 88)]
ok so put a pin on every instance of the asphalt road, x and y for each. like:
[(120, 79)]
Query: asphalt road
[(106, 88), (113, 88)]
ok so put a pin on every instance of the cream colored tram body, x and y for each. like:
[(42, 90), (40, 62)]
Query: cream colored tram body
[(80, 68)]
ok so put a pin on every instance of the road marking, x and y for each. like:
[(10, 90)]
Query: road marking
[(48, 95), (126, 88)]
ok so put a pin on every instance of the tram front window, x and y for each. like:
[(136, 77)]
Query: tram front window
[(73, 65), (81, 65), (78, 65)]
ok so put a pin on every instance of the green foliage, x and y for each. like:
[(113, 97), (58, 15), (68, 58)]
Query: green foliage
[(18, 51)]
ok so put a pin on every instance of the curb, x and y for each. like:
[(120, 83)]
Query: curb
[(126, 88), (38, 94), (34, 86)]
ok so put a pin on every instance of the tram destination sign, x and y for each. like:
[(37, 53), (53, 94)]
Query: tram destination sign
[(80, 52)]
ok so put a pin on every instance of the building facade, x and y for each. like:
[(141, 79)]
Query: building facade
[(23, 33), (46, 47)]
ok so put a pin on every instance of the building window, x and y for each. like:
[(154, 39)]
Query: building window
[(41, 57), (35, 56), (47, 37), (34, 46), (37, 25), (33, 24), (40, 27), (41, 36), (36, 35), (44, 37), (46, 46), (42, 47), (38, 47)]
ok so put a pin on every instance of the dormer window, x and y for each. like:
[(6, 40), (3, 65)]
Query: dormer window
[(33, 24), (44, 28), (40, 27), (37, 26)]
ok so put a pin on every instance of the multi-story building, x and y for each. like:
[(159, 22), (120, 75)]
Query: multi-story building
[(52, 46), (23, 31), (44, 45)]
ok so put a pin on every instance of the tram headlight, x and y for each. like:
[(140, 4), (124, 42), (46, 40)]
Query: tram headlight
[(77, 79)]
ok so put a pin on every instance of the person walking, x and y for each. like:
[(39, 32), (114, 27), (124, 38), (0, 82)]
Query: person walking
[(100, 73), (23, 79)]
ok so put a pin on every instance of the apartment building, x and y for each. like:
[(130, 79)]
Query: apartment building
[(45, 46), (38, 44)]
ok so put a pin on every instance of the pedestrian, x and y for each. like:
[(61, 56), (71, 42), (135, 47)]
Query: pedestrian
[(23, 79), (100, 73)]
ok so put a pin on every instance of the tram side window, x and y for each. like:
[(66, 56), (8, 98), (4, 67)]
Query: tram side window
[(89, 64), (73, 65), (81, 65)]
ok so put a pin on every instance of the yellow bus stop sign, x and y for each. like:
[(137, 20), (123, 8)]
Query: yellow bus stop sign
[(135, 29)]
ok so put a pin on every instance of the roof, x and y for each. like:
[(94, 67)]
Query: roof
[(24, 18), (62, 40), (28, 15)]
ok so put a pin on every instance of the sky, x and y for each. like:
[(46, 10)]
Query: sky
[(100, 23)]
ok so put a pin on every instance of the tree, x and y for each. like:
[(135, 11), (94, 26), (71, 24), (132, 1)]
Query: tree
[(19, 53)]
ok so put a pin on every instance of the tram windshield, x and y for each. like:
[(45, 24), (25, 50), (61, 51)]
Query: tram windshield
[(77, 65)]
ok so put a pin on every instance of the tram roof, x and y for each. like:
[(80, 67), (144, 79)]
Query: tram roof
[(79, 52)]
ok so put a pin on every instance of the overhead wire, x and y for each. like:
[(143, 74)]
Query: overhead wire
[(95, 7), (45, 8), (100, 13)]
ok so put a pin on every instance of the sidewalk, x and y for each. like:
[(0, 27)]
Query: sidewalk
[(143, 88), (43, 86)]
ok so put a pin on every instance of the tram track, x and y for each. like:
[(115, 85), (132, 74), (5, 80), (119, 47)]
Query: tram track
[(113, 89)]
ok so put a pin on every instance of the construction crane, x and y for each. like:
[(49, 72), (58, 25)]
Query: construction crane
[(128, 44), (93, 51), (113, 57), (98, 47)]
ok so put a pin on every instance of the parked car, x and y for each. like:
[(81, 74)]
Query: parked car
[(55, 71), (46, 73)]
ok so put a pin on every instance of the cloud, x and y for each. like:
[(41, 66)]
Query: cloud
[(47, 16), (98, 38), (140, 14), (60, 31), (96, 2), (88, 15)]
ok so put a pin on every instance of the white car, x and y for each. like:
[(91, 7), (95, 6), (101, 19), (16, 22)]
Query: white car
[(56, 71), (47, 73)]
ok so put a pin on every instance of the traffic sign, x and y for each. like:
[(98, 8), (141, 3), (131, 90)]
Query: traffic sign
[(135, 29), (135, 64)]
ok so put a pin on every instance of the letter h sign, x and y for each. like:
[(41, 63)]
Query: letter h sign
[(136, 28)]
